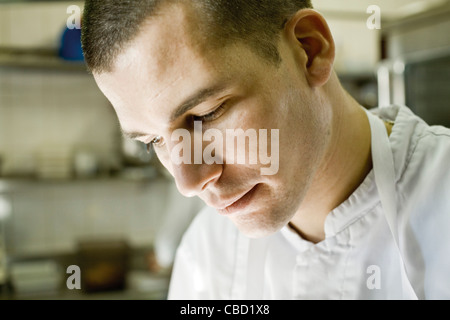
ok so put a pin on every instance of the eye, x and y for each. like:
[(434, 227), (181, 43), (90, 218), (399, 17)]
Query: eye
[(212, 115), (156, 142)]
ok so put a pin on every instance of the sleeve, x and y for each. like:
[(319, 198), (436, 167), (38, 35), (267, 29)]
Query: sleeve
[(427, 209)]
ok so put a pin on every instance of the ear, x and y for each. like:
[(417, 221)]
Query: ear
[(313, 45)]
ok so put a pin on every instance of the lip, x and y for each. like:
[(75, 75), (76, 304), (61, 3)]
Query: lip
[(240, 204)]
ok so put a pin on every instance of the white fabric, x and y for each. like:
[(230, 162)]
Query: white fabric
[(384, 172), (359, 259), (176, 219)]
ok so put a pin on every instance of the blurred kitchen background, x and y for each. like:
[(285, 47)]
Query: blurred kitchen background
[(74, 192)]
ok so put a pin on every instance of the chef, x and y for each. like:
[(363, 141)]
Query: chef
[(359, 207)]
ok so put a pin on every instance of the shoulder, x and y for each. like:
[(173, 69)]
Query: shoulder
[(421, 156), (420, 151)]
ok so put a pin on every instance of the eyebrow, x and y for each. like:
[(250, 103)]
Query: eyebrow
[(191, 102), (197, 98), (133, 135)]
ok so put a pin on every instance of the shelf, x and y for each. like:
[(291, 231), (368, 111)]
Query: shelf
[(40, 59), (141, 283)]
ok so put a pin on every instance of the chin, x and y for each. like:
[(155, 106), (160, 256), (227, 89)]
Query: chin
[(256, 226), (257, 234)]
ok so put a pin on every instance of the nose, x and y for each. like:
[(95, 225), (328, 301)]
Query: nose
[(193, 179), (184, 160)]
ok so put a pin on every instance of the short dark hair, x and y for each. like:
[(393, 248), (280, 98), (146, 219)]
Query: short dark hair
[(109, 25)]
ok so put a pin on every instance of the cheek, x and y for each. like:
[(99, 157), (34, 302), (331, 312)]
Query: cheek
[(258, 113), (164, 159), (303, 138)]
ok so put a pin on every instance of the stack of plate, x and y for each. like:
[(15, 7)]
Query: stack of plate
[(32, 277)]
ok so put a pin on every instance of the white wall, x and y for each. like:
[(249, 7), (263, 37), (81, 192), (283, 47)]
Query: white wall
[(31, 25), (357, 47), (45, 109)]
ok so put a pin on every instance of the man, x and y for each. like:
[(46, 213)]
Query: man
[(358, 206)]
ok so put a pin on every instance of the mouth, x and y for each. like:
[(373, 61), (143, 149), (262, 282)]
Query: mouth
[(240, 204)]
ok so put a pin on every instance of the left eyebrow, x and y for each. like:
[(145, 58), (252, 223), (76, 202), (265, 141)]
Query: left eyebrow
[(133, 135), (195, 99)]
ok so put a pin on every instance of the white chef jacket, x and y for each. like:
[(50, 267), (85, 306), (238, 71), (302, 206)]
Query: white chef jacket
[(394, 246)]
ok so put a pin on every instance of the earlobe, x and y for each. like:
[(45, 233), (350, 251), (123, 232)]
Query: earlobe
[(311, 38)]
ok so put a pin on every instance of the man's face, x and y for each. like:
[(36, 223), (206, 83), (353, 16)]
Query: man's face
[(166, 79)]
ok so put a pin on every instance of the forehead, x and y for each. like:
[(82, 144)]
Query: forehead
[(165, 46), (167, 53), (163, 40)]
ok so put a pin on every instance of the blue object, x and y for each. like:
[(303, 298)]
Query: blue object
[(70, 48)]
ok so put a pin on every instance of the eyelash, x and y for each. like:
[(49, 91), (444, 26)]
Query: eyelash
[(210, 116), (156, 142)]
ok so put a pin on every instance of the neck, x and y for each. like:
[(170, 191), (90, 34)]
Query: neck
[(343, 168)]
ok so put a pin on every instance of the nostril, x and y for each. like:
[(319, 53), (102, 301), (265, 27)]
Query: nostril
[(195, 179), (205, 186), (213, 179)]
